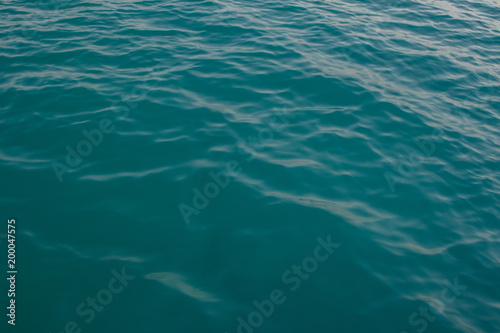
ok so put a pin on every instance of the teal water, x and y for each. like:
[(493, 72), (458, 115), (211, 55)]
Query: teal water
[(251, 166)]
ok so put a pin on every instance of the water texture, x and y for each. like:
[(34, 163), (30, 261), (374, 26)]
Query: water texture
[(252, 166)]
